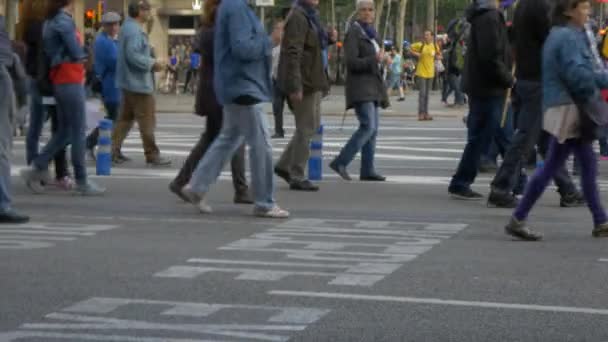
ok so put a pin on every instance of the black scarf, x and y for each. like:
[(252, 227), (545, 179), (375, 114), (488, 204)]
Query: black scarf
[(313, 16)]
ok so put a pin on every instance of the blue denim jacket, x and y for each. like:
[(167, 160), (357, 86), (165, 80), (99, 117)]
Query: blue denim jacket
[(60, 42), (106, 53), (135, 62), (242, 54), (568, 68)]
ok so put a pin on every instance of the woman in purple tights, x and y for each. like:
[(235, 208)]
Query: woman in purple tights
[(572, 75)]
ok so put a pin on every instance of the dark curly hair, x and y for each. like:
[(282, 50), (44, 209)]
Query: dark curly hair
[(54, 6)]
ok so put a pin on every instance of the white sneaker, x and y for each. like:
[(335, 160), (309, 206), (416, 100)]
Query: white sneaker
[(197, 199), (275, 212), (34, 179)]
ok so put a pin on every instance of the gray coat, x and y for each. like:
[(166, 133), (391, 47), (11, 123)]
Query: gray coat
[(363, 77)]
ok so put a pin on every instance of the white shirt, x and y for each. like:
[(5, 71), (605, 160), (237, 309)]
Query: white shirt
[(276, 54)]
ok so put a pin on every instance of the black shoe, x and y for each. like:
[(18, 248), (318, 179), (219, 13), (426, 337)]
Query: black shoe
[(520, 230), (120, 159), (12, 217), (487, 167), (177, 190), (340, 170), (283, 174), (466, 195), (304, 185), (600, 230), (401, 99), (278, 136), (573, 200), (159, 161), (500, 199), (373, 178), (243, 198)]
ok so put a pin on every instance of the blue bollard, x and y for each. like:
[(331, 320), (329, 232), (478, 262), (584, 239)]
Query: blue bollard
[(315, 162), (104, 148)]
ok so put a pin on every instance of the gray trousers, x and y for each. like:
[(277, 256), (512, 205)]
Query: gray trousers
[(424, 89), (308, 118), (7, 112)]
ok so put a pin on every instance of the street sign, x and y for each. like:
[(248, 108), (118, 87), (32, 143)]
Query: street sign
[(264, 3)]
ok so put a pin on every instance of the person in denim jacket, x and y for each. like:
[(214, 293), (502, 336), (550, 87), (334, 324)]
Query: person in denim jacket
[(66, 56), (571, 75)]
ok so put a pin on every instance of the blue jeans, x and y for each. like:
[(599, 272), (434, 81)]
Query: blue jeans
[(483, 122), (6, 138), (71, 129), (240, 123), (364, 139)]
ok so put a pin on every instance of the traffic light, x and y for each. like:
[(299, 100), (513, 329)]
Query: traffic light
[(89, 18)]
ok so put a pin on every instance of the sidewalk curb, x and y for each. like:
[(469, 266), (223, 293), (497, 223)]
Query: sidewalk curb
[(336, 114)]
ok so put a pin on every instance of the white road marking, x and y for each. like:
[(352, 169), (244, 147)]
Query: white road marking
[(334, 248), (603, 260), (444, 302), (98, 319), (44, 235)]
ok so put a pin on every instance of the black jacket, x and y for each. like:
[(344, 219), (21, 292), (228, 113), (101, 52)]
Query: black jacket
[(206, 103), (531, 26), (487, 70), (363, 77)]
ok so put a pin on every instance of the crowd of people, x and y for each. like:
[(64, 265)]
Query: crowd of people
[(549, 65)]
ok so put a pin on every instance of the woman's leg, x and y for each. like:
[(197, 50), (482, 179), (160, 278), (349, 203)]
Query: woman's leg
[(588, 165)]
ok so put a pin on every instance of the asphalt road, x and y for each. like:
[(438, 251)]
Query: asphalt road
[(398, 261)]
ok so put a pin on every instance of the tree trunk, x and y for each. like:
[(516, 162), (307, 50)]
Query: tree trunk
[(401, 26), (379, 9), (430, 15), (387, 21)]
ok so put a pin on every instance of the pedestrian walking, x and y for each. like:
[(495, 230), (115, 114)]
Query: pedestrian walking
[(207, 105), (365, 92), (33, 17), (302, 75), (106, 54), (242, 62), (278, 98), (427, 53), (395, 73), (531, 26), (486, 78), (134, 69), (193, 66), (63, 46), (572, 76), (11, 74)]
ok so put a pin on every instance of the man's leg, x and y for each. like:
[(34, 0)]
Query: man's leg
[(239, 180), (278, 103), (255, 128), (295, 157), (145, 114), (37, 119), (124, 123), (221, 150), (422, 89), (212, 130), (481, 126), (529, 123)]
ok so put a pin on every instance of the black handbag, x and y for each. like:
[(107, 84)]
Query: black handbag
[(593, 115)]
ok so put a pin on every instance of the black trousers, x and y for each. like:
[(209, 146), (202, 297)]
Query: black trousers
[(214, 125)]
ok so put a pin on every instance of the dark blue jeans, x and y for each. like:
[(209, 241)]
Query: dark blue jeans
[(483, 122), (38, 116), (364, 139), (70, 130), (529, 126)]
